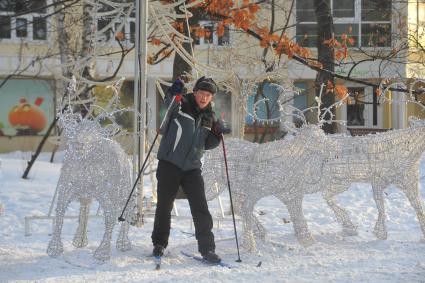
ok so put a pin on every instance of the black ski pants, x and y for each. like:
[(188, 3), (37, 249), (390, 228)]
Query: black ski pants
[(170, 177)]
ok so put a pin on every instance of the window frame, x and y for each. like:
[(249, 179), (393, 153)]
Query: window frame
[(14, 38), (373, 113), (129, 38), (272, 94), (355, 21), (215, 38)]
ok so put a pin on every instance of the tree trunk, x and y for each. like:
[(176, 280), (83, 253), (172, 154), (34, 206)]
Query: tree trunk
[(87, 48), (325, 56)]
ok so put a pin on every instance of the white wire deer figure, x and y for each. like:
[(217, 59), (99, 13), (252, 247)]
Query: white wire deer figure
[(270, 169), (312, 162), (382, 159), (94, 167)]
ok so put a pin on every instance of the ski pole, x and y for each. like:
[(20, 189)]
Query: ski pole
[(121, 218), (231, 201)]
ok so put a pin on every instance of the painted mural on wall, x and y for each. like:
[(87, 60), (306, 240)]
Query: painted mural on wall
[(26, 107)]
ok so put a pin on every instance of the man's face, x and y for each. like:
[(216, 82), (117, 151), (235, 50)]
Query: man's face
[(203, 98)]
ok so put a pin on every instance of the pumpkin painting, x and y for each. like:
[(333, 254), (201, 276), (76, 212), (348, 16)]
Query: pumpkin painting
[(27, 118)]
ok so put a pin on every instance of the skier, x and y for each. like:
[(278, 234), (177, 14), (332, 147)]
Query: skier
[(189, 128)]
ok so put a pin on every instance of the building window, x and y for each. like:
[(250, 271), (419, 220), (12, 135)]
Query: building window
[(109, 24), (23, 6), (376, 10), (102, 26), (266, 109), (343, 8), (225, 39), (132, 32), (305, 11), (211, 36), (368, 22), (356, 107), (376, 35), (39, 28), (5, 30), (23, 19), (21, 27)]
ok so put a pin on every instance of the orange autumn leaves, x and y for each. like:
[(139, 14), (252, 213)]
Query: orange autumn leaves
[(242, 15), (341, 47), (340, 91)]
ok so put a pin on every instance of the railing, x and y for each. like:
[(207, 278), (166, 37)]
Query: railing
[(365, 131)]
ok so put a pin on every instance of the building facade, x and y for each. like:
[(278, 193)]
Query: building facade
[(30, 62)]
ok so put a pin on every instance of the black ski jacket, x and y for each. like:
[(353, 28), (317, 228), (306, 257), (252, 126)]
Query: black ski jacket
[(186, 133)]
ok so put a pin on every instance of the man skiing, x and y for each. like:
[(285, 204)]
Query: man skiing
[(189, 128)]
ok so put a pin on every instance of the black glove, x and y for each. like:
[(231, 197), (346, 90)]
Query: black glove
[(219, 129), (177, 87)]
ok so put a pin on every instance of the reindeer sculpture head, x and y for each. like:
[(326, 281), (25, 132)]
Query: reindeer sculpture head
[(80, 135)]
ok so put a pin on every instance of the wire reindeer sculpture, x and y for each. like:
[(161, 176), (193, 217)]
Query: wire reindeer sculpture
[(310, 162), (94, 167)]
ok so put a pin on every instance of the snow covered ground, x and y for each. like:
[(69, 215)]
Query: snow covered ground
[(333, 258)]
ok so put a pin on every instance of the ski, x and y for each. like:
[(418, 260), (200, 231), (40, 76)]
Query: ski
[(157, 262), (200, 259)]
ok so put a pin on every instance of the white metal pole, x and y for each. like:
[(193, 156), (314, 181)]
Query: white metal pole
[(140, 79), (136, 96)]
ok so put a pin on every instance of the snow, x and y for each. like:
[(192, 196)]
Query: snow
[(333, 258)]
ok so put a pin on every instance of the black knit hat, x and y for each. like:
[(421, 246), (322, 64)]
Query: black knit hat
[(207, 84)]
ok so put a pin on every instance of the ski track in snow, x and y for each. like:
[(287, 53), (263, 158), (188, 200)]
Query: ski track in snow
[(333, 258)]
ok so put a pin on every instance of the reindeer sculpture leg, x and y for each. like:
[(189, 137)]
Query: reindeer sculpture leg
[(55, 247), (411, 191), (259, 230), (414, 200), (123, 242), (248, 238), (380, 229), (103, 252), (80, 237), (295, 209), (341, 215)]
